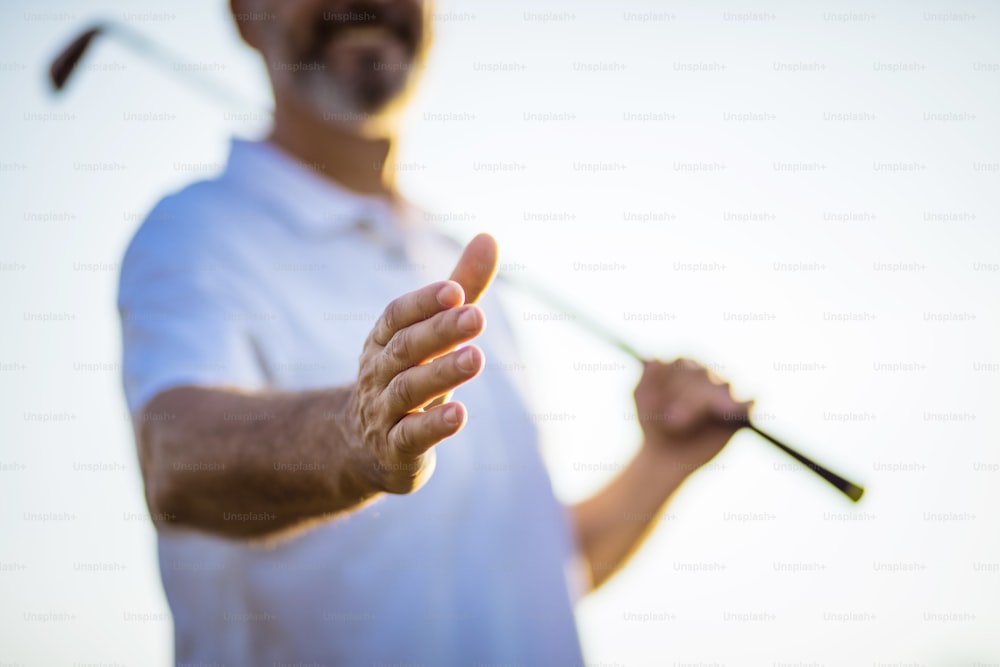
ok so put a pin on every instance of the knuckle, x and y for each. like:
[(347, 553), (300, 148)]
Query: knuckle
[(444, 324), (369, 341), (405, 439), (390, 316), (367, 365), (399, 348), (410, 443), (447, 370), (399, 391)]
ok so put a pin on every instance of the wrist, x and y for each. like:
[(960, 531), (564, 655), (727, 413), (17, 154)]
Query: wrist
[(354, 467), (662, 460)]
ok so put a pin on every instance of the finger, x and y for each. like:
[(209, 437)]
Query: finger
[(733, 411), (417, 432), (685, 364), (415, 307), (688, 412), (695, 400), (419, 385), (723, 404), (477, 266), (715, 378), (426, 340)]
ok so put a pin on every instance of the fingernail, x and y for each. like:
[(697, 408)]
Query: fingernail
[(446, 296), (452, 415), (467, 360), (469, 320)]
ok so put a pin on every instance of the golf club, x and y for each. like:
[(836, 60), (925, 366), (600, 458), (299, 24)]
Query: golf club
[(66, 62)]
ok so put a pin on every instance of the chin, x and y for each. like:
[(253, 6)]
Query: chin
[(360, 59), (366, 106)]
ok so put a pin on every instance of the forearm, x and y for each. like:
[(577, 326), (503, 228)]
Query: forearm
[(248, 464), (613, 523)]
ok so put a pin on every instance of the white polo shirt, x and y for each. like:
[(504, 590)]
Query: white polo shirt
[(272, 277)]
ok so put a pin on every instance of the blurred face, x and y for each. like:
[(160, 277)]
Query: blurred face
[(347, 61)]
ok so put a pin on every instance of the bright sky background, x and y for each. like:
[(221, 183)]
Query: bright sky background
[(832, 167)]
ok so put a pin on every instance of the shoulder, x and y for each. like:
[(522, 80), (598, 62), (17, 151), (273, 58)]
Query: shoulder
[(185, 220), (184, 234)]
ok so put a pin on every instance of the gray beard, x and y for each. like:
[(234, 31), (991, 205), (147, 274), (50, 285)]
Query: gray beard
[(348, 102)]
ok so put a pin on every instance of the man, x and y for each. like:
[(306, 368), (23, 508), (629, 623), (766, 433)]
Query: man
[(282, 471)]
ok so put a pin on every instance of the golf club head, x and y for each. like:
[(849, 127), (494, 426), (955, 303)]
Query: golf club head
[(65, 63)]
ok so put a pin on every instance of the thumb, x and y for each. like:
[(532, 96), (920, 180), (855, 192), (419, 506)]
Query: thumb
[(477, 266)]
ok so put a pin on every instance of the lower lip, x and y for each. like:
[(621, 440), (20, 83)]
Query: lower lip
[(364, 37)]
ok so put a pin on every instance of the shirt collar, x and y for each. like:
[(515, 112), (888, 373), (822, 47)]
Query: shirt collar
[(306, 201)]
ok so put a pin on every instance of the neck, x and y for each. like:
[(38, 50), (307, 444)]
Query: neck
[(346, 157)]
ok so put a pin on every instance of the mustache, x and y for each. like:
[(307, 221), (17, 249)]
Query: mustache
[(404, 20)]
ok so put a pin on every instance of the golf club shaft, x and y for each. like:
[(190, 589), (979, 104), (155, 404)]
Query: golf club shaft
[(154, 53)]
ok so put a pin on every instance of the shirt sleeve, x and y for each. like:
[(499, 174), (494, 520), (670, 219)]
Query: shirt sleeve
[(180, 308)]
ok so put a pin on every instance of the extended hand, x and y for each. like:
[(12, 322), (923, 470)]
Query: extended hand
[(408, 361)]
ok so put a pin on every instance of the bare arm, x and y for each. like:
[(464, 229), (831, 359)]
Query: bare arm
[(248, 465), (687, 418), (613, 523), (243, 464)]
